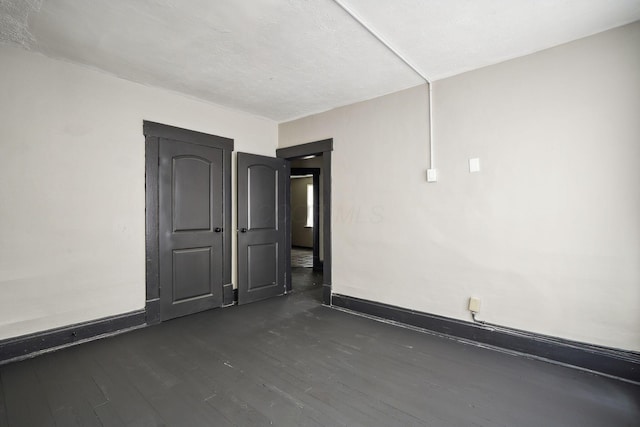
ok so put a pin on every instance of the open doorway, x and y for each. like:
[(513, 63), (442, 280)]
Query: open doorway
[(306, 211), (310, 215), (305, 215)]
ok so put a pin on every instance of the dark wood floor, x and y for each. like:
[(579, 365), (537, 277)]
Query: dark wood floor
[(291, 362), (301, 257)]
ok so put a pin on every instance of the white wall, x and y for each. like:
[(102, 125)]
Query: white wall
[(72, 195), (547, 234)]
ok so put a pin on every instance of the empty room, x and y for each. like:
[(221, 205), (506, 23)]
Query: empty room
[(319, 213)]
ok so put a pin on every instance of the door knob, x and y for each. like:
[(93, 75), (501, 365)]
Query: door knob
[(243, 230), (217, 229)]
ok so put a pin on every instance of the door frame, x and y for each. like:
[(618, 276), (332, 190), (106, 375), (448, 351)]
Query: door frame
[(324, 148), (153, 132)]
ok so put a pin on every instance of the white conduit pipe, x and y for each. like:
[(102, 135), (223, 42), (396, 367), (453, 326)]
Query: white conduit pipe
[(409, 64)]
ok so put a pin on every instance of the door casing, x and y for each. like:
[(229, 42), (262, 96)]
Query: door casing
[(324, 148)]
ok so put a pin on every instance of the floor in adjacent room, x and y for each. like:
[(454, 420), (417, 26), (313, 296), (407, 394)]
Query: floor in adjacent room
[(301, 257), (290, 361)]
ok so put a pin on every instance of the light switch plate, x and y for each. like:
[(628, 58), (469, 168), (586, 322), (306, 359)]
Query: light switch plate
[(474, 165), (432, 175)]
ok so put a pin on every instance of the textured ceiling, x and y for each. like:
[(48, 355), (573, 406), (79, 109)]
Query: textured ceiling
[(283, 59)]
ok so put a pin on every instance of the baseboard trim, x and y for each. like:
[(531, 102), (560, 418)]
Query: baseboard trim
[(609, 361), (326, 294), (25, 346), (152, 311)]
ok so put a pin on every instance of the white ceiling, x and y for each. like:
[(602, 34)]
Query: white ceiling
[(284, 59)]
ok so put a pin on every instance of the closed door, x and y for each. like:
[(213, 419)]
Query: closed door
[(262, 218), (191, 219)]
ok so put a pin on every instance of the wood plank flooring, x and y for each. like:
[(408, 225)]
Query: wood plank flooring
[(289, 361)]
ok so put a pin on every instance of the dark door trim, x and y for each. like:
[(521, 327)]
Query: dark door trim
[(153, 132), (315, 172), (324, 148)]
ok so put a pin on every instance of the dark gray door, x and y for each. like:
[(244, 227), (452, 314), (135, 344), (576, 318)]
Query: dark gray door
[(191, 217), (262, 218)]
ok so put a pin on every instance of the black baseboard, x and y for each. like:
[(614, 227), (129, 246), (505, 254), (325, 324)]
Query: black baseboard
[(326, 294), (614, 362), (153, 311), (26, 345)]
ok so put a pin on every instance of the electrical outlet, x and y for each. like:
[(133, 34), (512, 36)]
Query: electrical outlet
[(474, 304), (474, 165)]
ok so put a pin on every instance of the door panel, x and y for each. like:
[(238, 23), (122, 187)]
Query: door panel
[(262, 269), (191, 194), (190, 228), (262, 219), (192, 270), (263, 197)]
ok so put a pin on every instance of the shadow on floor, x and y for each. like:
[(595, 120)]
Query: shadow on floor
[(307, 280)]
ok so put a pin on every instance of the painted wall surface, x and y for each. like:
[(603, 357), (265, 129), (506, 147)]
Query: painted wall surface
[(72, 187), (547, 234), (301, 235)]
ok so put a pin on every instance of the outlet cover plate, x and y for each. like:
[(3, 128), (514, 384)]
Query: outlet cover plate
[(474, 165), (474, 304)]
